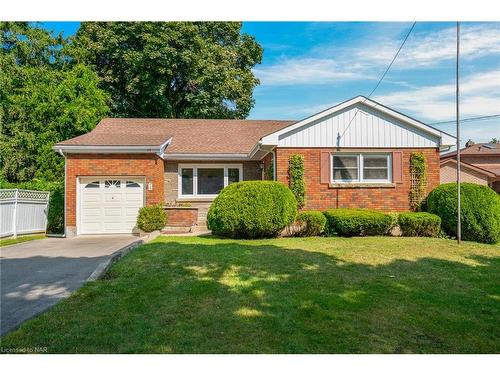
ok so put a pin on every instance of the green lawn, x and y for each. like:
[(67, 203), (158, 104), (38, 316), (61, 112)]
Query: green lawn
[(13, 241), (310, 295)]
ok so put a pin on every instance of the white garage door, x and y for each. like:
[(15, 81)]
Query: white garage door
[(109, 205)]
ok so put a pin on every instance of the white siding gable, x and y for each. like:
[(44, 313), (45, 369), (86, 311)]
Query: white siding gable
[(370, 128), (374, 126)]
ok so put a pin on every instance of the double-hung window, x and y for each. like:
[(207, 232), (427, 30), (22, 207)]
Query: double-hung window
[(361, 167), (206, 180)]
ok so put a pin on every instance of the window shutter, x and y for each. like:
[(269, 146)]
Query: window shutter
[(325, 167), (397, 167)]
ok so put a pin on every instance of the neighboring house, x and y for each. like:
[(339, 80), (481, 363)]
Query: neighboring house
[(480, 164), (356, 155)]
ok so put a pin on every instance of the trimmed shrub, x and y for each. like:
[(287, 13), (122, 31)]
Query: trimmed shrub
[(55, 216), (480, 211), (357, 222), (419, 224), (152, 218), (252, 209), (310, 223)]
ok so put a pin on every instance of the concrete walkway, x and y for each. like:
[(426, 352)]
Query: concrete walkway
[(37, 274)]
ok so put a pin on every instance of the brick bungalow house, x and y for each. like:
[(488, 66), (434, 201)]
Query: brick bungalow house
[(356, 155), (480, 164)]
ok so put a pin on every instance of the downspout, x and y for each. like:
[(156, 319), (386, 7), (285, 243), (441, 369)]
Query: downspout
[(274, 164), (65, 176)]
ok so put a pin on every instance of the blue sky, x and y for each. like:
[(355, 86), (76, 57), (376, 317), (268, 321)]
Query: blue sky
[(310, 66)]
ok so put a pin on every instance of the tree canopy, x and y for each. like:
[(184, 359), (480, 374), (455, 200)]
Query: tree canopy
[(172, 69), (43, 100), (54, 88)]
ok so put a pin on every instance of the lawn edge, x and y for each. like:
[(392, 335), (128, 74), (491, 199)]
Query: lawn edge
[(103, 267)]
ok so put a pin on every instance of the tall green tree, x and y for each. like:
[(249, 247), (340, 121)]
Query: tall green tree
[(172, 69), (44, 99)]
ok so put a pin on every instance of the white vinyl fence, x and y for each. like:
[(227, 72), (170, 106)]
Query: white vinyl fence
[(23, 211)]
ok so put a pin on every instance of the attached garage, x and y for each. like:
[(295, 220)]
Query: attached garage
[(109, 204)]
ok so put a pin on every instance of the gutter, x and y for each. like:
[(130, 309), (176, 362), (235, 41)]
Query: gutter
[(206, 157), (273, 152), (91, 149)]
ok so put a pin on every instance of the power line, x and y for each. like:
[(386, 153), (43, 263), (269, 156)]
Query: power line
[(380, 80), (466, 119)]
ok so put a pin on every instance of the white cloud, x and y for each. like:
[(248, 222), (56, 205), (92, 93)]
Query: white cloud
[(366, 60), (430, 48), (479, 95), (309, 71)]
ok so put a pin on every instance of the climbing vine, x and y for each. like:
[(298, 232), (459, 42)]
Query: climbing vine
[(270, 170), (418, 180), (296, 178)]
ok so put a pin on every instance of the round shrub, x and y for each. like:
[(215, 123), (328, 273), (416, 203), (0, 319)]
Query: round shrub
[(480, 211), (252, 209), (310, 223), (357, 222), (419, 224), (152, 218)]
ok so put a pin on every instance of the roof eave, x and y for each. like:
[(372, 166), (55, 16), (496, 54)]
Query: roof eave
[(206, 156), (113, 149), (470, 166), (106, 149)]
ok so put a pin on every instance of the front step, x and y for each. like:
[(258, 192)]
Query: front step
[(176, 229)]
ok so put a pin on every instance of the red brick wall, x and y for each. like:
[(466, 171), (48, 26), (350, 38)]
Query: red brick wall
[(181, 217), (137, 165), (322, 196)]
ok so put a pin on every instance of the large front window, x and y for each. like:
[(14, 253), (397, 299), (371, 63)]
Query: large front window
[(365, 167), (206, 180)]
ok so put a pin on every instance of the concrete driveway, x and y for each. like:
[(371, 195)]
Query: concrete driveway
[(37, 274)]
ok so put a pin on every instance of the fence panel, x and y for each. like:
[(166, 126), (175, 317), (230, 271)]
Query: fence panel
[(23, 211)]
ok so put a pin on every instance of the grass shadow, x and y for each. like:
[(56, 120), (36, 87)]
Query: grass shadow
[(209, 295)]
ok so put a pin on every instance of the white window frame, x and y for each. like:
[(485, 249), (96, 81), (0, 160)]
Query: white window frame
[(195, 178), (360, 158)]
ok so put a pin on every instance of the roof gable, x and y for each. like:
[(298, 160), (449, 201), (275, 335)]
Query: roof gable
[(359, 122)]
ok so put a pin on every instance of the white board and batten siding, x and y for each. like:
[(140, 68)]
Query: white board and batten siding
[(361, 123)]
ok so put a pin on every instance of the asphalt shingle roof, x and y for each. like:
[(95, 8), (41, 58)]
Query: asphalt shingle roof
[(197, 136)]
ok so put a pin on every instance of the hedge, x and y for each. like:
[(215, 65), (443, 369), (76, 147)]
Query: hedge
[(419, 224), (55, 216), (310, 223), (480, 211), (252, 209), (357, 222), (152, 218)]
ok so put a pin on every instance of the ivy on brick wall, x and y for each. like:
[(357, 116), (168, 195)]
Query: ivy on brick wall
[(296, 178), (418, 180)]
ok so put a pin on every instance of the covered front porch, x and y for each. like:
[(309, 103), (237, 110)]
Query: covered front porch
[(190, 186)]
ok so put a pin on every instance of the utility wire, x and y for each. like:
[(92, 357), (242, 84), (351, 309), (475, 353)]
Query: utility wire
[(380, 80), (489, 117)]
